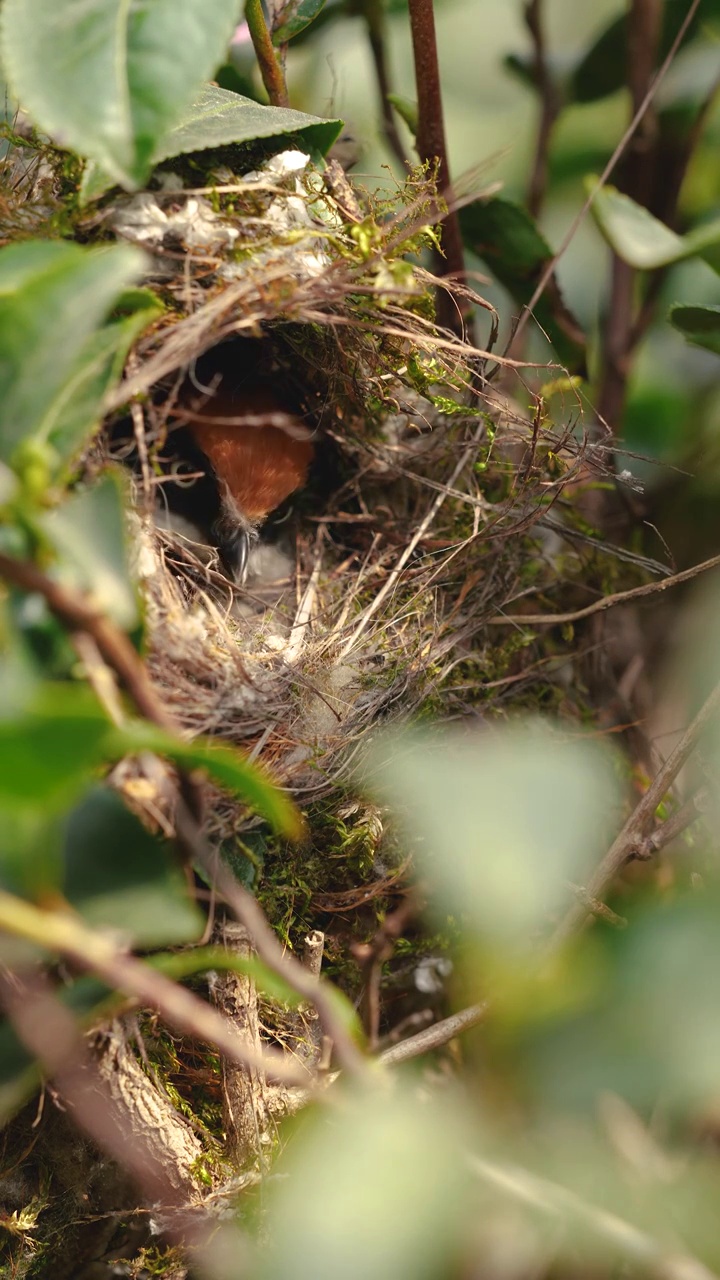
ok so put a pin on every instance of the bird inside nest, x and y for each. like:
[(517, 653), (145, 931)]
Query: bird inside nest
[(238, 445)]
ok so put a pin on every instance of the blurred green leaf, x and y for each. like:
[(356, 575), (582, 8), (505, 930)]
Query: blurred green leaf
[(700, 325), (119, 876), (650, 1028), (109, 79), (407, 110), (642, 240), (505, 236), (501, 821), (296, 16), (228, 768), (79, 410), (220, 118), (602, 70), (48, 751), (387, 1194), (88, 531), (53, 295)]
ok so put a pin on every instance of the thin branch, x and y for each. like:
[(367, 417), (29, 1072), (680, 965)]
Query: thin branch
[(436, 1036), (271, 71), (686, 816), (432, 149), (607, 602), (96, 953)]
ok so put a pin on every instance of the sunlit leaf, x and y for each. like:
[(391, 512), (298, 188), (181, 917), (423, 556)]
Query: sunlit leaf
[(228, 768), (220, 118), (80, 407), (109, 78), (642, 240), (49, 749)]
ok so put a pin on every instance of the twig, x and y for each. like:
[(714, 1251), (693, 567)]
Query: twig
[(432, 149), (96, 953), (436, 1036), (272, 73), (77, 613), (371, 957), (631, 838), (607, 602), (672, 827), (549, 106), (609, 167)]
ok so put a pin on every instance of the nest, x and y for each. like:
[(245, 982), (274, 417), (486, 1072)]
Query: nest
[(380, 584)]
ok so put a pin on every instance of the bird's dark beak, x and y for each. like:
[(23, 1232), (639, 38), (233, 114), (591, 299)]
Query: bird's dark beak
[(234, 548)]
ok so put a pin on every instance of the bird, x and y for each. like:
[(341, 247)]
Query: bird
[(238, 428)]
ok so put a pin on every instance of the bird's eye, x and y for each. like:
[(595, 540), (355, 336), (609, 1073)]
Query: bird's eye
[(182, 474)]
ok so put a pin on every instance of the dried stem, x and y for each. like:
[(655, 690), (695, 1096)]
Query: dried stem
[(270, 69), (432, 149), (607, 602)]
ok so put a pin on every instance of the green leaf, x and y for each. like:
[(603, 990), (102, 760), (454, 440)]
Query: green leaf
[(603, 68), (220, 118), (407, 110), (296, 16), (503, 820), (226, 767), (642, 240), (119, 876), (53, 296), (48, 751), (109, 78), (505, 236), (79, 409), (700, 325), (387, 1196), (89, 532)]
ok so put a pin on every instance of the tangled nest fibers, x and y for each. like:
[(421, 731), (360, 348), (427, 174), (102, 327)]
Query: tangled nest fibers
[(393, 566)]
